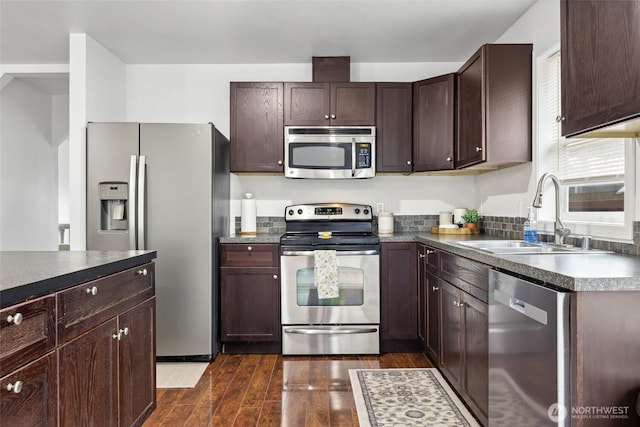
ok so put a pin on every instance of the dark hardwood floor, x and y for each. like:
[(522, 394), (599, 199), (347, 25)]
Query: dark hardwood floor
[(273, 390)]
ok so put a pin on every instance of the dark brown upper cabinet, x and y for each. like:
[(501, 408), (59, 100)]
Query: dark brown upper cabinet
[(494, 107), (433, 123), (393, 127), (600, 67), (335, 104), (257, 127)]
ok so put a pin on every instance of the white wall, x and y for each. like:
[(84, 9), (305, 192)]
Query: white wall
[(200, 93), (96, 93), (28, 170)]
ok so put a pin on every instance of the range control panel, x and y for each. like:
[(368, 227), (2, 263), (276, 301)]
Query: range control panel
[(328, 211)]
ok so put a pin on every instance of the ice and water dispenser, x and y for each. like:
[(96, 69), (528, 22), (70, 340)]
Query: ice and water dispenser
[(113, 205)]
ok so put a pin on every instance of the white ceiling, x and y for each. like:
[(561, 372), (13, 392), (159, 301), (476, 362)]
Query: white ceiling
[(255, 31)]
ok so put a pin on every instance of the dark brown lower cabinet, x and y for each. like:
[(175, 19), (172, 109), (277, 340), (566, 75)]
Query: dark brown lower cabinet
[(464, 341), (107, 375), (399, 297), (250, 304), (33, 403)]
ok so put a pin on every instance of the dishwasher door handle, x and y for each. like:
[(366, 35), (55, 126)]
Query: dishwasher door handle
[(529, 310)]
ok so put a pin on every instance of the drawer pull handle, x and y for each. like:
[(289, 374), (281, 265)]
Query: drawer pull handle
[(92, 290), (249, 248), (16, 319), (142, 272), (15, 387)]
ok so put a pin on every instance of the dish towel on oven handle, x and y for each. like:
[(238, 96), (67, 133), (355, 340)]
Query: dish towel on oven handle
[(325, 270)]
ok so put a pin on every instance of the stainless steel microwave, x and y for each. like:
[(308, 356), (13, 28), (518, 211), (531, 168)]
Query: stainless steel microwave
[(330, 152)]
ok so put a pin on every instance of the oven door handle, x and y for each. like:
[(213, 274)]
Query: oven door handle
[(324, 331), (353, 158), (339, 253)]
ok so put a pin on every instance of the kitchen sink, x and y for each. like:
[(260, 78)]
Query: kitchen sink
[(520, 247)]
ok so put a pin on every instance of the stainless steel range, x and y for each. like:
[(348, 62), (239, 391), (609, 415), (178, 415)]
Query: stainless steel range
[(330, 280)]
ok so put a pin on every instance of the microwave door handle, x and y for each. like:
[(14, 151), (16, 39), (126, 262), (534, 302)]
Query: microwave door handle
[(353, 158)]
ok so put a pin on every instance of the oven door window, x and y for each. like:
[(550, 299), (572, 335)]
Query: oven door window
[(350, 284), (320, 155)]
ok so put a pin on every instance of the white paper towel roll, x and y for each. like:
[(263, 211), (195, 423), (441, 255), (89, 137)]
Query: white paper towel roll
[(248, 215)]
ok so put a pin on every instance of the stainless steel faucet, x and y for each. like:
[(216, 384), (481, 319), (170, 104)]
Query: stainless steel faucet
[(559, 230)]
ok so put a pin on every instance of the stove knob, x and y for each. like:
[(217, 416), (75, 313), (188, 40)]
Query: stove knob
[(366, 212), (357, 211), (299, 211), (290, 212)]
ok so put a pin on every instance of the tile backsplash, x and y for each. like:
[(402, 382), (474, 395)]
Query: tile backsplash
[(499, 226)]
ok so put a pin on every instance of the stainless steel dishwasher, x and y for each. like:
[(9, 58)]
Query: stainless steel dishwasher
[(529, 373)]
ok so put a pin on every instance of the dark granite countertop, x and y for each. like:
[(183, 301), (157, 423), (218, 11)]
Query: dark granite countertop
[(574, 272), (25, 274)]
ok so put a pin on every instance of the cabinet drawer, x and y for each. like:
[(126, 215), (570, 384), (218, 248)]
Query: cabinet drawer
[(28, 396), (468, 275), (87, 305), (249, 255), (27, 331)]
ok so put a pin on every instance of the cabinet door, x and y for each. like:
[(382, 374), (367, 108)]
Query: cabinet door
[(257, 132), (250, 304), (398, 292), (137, 363), (422, 296), (88, 386), (470, 139), (307, 104), (451, 339), (353, 104), (433, 123), (476, 348), (432, 289), (393, 127), (600, 63), (29, 396)]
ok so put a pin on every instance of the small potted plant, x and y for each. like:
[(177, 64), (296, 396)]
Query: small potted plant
[(471, 218)]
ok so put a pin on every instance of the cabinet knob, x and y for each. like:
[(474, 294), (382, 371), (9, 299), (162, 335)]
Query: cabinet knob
[(478, 149), (420, 255), (279, 162), (16, 319), (449, 159), (434, 288), (460, 304), (15, 387), (326, 117), (275, 276), (142, 272), (560, 119), (408, 162), (333, 116), (429, 252), (118, 335), (92, 290), (249, 248), (456, 303)]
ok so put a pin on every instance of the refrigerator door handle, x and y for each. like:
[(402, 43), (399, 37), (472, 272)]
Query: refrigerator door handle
[(133, 169), (142, 183)]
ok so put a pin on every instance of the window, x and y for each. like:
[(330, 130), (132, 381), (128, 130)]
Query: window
[(596, 174)]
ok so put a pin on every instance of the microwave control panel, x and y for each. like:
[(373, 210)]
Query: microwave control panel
[(363, 155)]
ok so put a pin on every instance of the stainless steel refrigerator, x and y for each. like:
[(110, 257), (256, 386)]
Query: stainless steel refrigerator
[(165, 187)]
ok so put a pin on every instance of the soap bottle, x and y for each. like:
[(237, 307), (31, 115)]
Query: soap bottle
[(530, 227)]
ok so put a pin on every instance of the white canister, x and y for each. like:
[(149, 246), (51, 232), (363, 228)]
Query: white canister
[(458, 213), (445, 217), (385, 223), (248, 216)]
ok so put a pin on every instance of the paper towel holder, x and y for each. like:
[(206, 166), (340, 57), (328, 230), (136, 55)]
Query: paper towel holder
[(248, 216)]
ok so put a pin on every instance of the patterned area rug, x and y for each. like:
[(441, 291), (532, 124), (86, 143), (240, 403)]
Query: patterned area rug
[(407, 397)]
